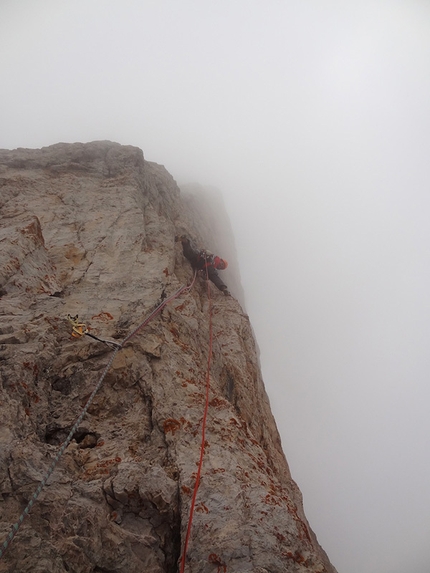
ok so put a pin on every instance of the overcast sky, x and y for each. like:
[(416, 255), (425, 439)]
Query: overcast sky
[(312, 118)]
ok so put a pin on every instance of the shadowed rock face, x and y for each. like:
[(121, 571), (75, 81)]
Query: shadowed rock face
[(90, 229)]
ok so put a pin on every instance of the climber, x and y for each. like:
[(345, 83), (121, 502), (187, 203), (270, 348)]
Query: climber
[(204, 260)]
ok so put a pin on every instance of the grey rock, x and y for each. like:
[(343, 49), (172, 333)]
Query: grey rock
[(89, 229)]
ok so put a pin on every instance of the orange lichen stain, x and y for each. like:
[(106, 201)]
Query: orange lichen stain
[(34, 230), (180, 307), (226, 434), (217, 470), (108, 463), (197, 397), (296, 557), (185, 347), (103, 316), (304, 532), (101, 468), (217, 403), (186, 490), (174, 331), (113, 516), (32, 395), (13, 264), (202, 508), (275, 497), (166, 272), (216, 560), (171, 425), (185, 423), (272, 500)]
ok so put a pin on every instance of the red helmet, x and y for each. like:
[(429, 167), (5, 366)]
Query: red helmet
[(220, 264)]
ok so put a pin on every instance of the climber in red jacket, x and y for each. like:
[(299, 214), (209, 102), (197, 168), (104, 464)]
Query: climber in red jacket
[(203, 260)]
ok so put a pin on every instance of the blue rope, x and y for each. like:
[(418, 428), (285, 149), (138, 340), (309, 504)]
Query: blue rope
[(60, 452)]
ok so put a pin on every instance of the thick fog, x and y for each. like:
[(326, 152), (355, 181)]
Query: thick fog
[(312, 118)]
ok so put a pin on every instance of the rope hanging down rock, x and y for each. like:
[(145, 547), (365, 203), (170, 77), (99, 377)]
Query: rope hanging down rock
[(17, 525), (60, 452), (202, 446)]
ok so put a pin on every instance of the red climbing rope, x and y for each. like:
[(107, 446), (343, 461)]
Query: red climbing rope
[(202, 446)]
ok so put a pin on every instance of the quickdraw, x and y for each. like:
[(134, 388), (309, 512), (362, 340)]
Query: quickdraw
[(78, 328)]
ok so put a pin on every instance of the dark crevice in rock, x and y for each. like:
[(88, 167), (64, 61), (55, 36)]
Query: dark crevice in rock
[(150, 404), (165, 525), (9, 476), (58, 294), (55, 434), (229, 387), (63, 385), (173, 546), (146, 392), (86, 439)]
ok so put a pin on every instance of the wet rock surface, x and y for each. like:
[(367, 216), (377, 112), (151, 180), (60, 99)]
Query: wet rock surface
[(89, 229)]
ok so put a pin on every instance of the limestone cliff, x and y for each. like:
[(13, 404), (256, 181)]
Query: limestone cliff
[(90, 229)]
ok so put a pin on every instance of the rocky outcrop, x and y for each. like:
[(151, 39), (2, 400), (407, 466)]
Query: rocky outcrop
[(90, 229)]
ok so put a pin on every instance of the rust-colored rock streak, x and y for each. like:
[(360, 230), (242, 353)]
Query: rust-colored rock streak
[(90, 229)]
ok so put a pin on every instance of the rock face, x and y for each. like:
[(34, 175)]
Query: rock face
[(90, 229)]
